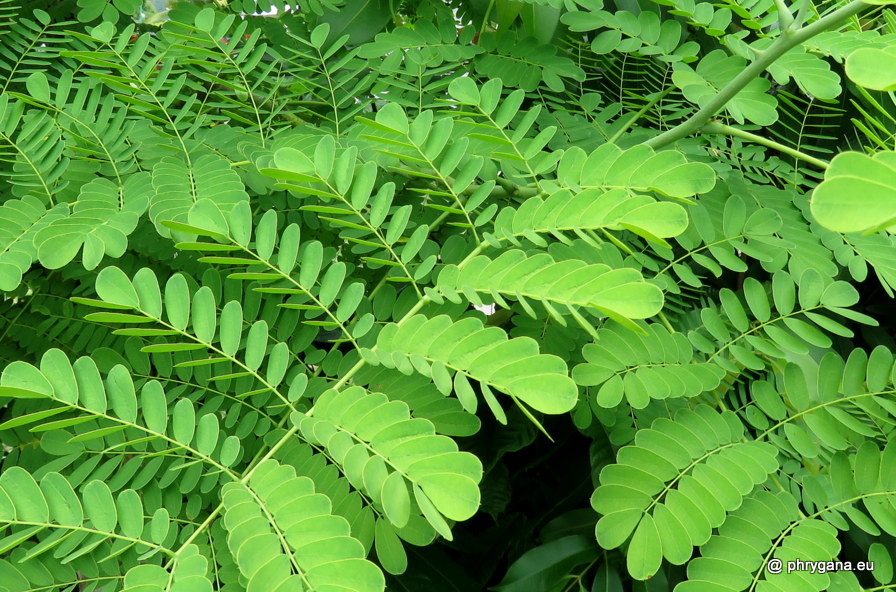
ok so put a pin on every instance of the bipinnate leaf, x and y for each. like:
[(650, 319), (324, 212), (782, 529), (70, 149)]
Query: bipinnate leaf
[(261, 277)]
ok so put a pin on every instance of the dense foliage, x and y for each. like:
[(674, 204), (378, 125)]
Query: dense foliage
[(344, 295)]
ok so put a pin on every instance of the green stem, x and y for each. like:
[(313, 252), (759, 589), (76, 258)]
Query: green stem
[(640, 113), (788, 39), (715, 127), (488, 13)]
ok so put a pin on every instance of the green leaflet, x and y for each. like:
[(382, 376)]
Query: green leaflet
[(867, 67), (512, 366), (855, 194)]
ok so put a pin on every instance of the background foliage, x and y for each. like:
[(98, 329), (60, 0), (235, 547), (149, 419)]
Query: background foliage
[(523, 295)]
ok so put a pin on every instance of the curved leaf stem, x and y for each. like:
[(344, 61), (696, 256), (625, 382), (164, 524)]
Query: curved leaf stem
[(488, 13), (788, 39), (715, 127)]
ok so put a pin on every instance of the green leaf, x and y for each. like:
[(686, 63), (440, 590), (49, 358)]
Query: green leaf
[(230, 450), (256, 344), (207, 431), (113, 286), (231, 327), (27, 498), (99, 506), (870, 67), (204, 314), (855, 195), (360, 21), (130, 513), (205, 19), (177, 301), (645, 550), (883, 563), (65, 507), (389, 550), (540, 569), (183, 421), (396, 500)]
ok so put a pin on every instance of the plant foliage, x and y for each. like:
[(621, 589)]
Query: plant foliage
[(520, 295)]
